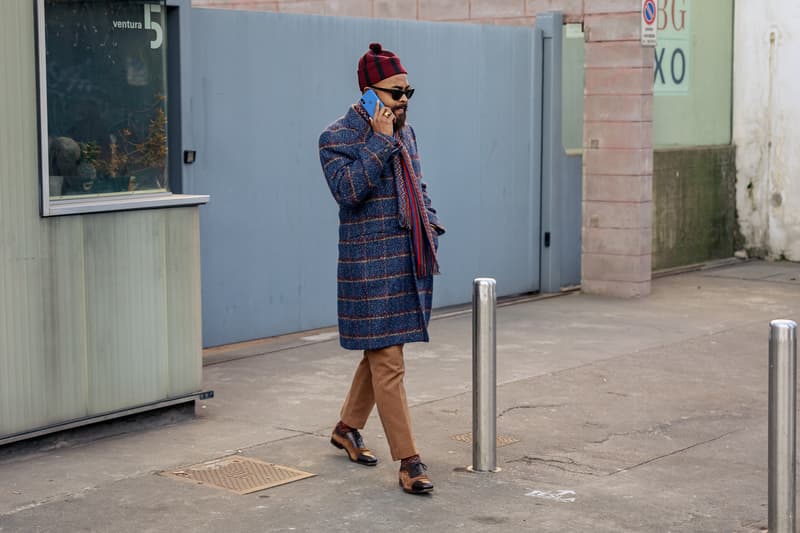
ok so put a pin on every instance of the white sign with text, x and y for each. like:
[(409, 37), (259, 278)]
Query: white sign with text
[(649, 15), (673, 53)]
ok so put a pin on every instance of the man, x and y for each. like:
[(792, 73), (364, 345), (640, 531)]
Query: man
[(388, 237)]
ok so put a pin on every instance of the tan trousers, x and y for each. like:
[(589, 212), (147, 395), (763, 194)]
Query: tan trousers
[(379, 380)]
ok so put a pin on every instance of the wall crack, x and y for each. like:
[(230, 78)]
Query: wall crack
[(567, 465)]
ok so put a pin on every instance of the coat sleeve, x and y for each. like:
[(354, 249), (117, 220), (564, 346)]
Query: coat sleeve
[(433, 218), (353, 168)]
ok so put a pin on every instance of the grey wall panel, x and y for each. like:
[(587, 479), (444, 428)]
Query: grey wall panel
[(267, 84), (472, 119), (182, 253), (36, 375), (42, 346), (125, 282), (550, 25), (66, 377)]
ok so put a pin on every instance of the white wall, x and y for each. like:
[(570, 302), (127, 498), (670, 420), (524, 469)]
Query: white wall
[(766, 124)]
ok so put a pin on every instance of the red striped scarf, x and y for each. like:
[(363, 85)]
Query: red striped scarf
[(414, 216), (411, 209)]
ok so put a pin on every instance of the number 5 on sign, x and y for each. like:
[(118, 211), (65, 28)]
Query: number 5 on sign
[(150, 24)]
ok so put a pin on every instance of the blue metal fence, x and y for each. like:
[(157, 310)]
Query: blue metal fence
[(265, 85)]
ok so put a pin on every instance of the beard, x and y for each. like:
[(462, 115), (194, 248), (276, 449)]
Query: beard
[(400, 118)]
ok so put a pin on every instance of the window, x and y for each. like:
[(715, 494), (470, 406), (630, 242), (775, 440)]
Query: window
[(104, 105)]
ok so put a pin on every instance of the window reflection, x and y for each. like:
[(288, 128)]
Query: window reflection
[(106, 96)]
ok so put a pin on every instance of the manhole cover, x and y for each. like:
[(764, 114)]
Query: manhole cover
[(239, 474), (500, 440)]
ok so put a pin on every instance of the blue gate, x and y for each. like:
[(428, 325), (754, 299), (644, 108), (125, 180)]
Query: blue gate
[(265, 85)]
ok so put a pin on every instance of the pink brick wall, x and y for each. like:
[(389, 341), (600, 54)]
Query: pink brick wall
[(618, 151), (481, 11), (618, 116)]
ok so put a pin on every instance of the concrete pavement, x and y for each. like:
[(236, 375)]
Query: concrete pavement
[(631, 415)]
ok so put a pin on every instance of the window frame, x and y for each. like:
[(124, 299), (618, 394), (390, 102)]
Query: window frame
[(175, 165)]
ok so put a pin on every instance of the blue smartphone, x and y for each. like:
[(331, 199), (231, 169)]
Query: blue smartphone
[(368, 100)]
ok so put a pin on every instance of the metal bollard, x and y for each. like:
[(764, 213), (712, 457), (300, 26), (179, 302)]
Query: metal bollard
[(484, 383), (782, 417)]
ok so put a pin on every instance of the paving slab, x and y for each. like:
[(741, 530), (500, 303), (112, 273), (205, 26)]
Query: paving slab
[(631, 415)]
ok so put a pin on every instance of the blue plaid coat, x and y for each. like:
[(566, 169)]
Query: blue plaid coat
[(381, 302)]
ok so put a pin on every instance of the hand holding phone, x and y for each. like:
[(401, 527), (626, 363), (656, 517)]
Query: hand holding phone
[(381, 118)]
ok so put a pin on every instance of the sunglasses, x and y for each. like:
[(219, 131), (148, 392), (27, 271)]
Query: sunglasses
[(397, 94)]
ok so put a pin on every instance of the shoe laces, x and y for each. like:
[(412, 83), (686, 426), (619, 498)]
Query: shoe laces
[(357, 438), (415, 469)]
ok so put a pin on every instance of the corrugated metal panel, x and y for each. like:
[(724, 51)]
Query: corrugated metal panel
[(125, 308), (97, 312), (21, 264), (65, 323), (184, 316)]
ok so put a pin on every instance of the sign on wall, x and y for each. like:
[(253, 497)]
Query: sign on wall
[(674, 49), (649, 12)]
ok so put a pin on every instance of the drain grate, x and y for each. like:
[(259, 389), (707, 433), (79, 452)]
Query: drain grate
[(500, 440), (239, 474)]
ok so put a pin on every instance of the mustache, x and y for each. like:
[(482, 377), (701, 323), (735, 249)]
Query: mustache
[(403, 107)]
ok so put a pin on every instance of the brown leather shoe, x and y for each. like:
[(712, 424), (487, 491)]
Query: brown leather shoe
[(414, 480), (353, 444)]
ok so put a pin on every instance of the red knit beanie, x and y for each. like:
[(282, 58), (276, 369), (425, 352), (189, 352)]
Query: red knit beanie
[(376, 65)]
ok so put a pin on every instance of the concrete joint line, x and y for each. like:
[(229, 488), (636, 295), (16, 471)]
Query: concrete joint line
[(58, 497), (301, 432), (626, 469), (758, 280), (222, 360), (574, 467), (298, 434), (508, 301), (544, 406)]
